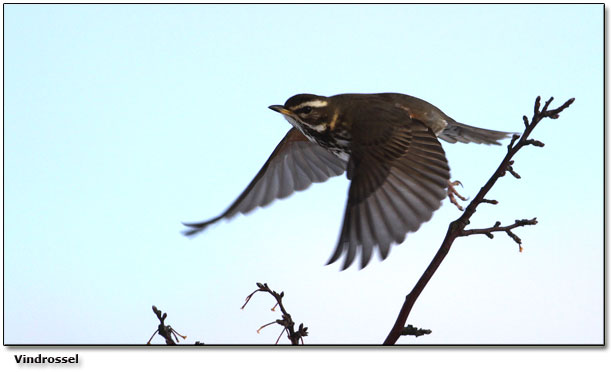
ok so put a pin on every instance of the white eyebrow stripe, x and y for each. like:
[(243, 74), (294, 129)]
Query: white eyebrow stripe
[(315, 103)]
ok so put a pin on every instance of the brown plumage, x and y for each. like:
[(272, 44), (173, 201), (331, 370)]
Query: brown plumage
[(388, 145)]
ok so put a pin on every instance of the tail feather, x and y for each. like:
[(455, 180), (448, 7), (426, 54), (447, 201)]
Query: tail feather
[(458, 132)]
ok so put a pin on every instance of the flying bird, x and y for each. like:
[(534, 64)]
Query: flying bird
[(388, 145)]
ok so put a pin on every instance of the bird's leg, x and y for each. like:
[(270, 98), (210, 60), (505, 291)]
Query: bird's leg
[(452, 193)]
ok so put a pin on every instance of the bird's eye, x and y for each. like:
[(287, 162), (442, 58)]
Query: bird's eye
[(306, 109)]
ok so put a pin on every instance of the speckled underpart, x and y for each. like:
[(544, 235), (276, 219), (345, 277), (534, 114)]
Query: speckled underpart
[(337, 140)]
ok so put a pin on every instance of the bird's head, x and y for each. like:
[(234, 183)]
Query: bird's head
[(312, 111)]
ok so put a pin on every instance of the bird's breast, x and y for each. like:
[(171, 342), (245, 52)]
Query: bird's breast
[(336, 140)]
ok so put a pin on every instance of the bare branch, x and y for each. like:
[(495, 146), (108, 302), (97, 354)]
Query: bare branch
[(286, 322), (490, 201), (514, 138), (534, 143), (512, 171), (457, 227), (555, 114), (165, 331), (497, 227), (538, 105), (410, 330)]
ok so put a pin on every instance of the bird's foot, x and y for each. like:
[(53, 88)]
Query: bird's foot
[(452, 194)]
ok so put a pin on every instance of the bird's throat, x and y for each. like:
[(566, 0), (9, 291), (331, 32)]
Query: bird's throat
[(336, 141)]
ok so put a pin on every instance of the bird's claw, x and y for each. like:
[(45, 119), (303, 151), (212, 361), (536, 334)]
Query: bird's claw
[(452, 194)]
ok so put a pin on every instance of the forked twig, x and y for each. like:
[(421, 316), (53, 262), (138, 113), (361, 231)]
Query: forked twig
[(165, 331), (286, 322)]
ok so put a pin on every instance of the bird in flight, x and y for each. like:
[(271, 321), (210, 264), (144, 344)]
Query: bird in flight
[(388, 145)]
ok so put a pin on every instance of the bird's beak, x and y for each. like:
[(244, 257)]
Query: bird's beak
[(281, 109)]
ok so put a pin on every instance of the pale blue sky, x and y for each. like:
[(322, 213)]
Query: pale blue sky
[(121, 121)]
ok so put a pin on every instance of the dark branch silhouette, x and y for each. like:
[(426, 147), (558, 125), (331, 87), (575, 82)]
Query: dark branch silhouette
[(410, 330), (287, 321), (165, 331), (457, 228), (497, 227)]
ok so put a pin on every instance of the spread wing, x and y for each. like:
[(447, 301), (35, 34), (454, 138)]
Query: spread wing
[(399, 176), (293, 166)]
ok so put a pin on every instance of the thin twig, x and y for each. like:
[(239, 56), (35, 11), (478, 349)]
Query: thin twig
[(457, 228), (507, 229), (165, 331), (286, 322)]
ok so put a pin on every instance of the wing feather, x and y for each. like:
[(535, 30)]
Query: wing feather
[(294, 165), (399, 177)]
